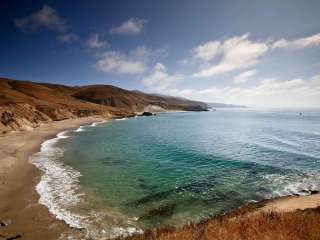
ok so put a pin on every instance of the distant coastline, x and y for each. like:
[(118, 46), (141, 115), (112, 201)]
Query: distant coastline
[(224, 105)]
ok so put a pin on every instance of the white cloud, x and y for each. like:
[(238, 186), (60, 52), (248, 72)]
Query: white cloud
[(159, 79), (132, 26), (141, 53), (237, 53), (300, 43), (46, 17), (268, 93), (95, 42), (244, 76), (132, 63), (240, 53), (68, 38), (315, 80), (117, 63), (207, 51)]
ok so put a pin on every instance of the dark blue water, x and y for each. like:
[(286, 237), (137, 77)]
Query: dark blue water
[(179, 167)]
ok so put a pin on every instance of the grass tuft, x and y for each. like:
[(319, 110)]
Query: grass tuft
[(304, 225)]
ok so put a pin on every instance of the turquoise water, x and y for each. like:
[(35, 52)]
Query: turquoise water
[(179, 167)]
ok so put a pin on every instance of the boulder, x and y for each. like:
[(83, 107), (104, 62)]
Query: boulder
[(147, 114)]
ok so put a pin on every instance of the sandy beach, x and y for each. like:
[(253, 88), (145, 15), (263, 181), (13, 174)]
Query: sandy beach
[(19, 207), (293, 203)]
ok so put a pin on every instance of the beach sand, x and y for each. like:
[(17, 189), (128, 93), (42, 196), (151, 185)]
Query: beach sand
[(293, 203), (19, 207)]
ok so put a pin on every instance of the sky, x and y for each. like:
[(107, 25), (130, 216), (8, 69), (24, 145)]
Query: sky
[(248, 52)]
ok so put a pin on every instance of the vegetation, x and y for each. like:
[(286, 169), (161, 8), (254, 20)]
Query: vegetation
[(26, 105), (253, 226)]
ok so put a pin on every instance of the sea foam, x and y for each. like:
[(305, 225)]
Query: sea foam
[(121, 119), (80, 129), (60, 192), (94, 124), (292, 184), (58, 187)]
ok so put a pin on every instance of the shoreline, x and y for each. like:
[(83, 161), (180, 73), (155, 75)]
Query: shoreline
[(20, 209), (26, 217)]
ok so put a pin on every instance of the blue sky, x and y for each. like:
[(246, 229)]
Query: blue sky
[(257, 53)]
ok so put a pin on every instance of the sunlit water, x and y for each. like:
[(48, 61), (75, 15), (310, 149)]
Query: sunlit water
[(125, 176)]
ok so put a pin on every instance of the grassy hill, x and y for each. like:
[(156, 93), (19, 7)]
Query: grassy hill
[(25, 105)]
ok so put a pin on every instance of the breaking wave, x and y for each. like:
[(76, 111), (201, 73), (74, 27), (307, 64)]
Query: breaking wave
[(61, 193)]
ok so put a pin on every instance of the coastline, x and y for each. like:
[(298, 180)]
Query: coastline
[(20, 209)]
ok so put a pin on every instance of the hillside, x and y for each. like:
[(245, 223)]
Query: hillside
[(223, 105), (134, 100), (25, 105)]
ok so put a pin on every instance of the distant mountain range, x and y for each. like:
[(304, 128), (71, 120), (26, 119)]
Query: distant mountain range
[(223, 105), (25, 105)]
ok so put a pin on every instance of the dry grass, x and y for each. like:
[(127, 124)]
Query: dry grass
[(259, 226)]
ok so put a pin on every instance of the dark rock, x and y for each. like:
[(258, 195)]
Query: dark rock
[(198, 187), (5, 223), (147, 114), (141, 180), (305, 191), (111, 161), (161, 211), (148, 188), (151, 198), (7, 117), (15, 237)]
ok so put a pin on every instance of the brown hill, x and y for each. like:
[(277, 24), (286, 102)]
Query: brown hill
[(134, 100), (25, 105)]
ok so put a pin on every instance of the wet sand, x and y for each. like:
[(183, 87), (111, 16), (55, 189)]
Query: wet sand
[(20, 212)]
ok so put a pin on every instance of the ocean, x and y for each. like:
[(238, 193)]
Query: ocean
[(129, 175)]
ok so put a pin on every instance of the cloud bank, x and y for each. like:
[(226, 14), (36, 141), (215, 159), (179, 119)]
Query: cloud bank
[(131, 63), (236, 53), (267, 93), (300, 43), (159, 79), (244, 76)]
